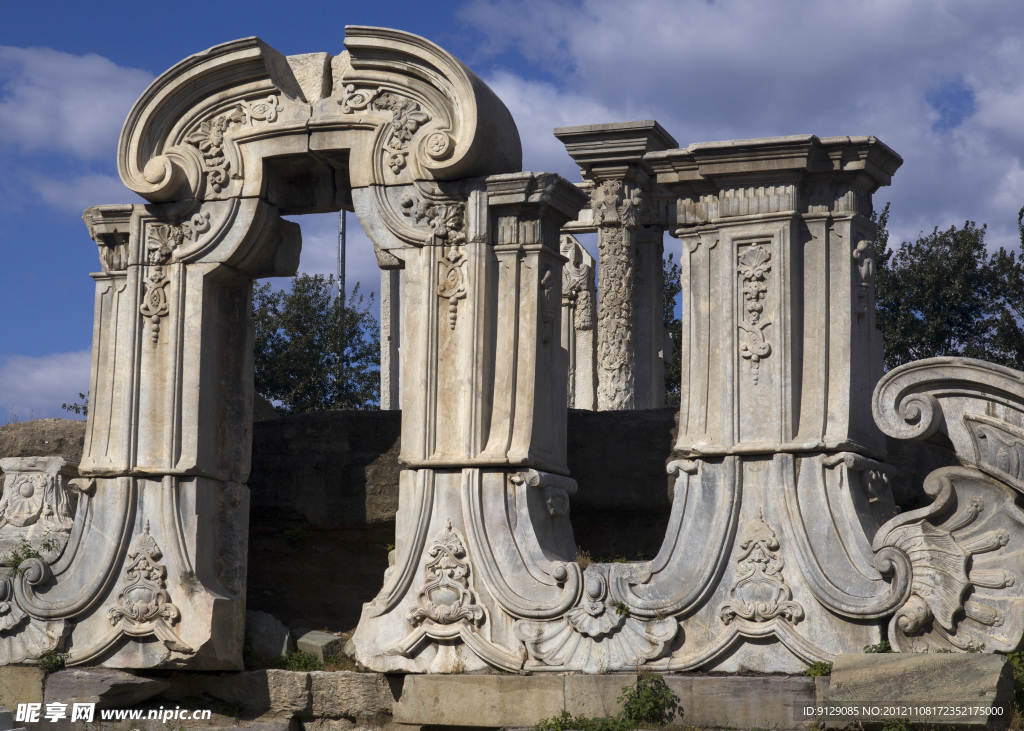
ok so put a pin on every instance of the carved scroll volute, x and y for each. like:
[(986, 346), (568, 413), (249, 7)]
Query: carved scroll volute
[(978, 405), (172, 146), (471, 133)]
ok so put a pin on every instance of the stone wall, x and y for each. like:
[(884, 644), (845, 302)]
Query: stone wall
[(324, 494)]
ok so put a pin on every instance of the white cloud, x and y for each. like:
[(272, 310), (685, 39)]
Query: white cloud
[(51, 100), (739, 68), (35, 387), (74, 195)]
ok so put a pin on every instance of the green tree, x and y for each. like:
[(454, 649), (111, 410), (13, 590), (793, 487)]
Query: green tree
[(673, 365), (944, 294), (314, 352)]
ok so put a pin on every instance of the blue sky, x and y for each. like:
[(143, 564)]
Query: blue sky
[(939, 82)]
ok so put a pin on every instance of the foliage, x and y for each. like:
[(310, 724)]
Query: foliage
[(945, 294), (648, 702), (881, 647), (315, 352), (622, 609), (566, 722), (896, 724), (819, 670), (24, 551), (672, 283), (1017, 661), (79, 407), (302, 662), (53, 661)]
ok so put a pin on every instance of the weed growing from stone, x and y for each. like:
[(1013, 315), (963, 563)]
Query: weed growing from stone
[(302, 662), (648, 702), (24, 551), (896, 724), (881, 647), (818, 670), (53, 661)]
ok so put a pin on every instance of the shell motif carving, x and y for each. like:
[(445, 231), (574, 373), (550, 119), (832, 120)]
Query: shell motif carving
[(597, 634)]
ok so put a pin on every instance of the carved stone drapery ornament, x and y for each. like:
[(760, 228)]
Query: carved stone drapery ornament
[(755, 263), (143, 596), (760, 592), (445, 597)]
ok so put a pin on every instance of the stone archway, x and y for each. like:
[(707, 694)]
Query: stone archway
[(223, 145)]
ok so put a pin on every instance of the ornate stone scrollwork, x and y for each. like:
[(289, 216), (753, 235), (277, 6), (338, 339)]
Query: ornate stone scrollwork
[(760, 592), (755, 261), (965, 547), (863, 257), (161, 242), (143, 603), (36, 516), (597, 634), (445, 597)]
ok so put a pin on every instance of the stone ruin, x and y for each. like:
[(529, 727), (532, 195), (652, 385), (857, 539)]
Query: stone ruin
[(784, 546)]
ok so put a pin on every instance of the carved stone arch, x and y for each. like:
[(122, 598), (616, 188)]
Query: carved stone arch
[(222, 146)]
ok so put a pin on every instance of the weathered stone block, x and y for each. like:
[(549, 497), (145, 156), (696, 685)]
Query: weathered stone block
[(321, 644), (267, 637), (20, 685), (743, 702), (595, 695), (938, 689), (106, 688), (275, 693), (349, 695), (479, 700)]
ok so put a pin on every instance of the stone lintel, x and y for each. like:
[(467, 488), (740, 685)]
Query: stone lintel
[(549, 189), (709, 165), (609, 150)]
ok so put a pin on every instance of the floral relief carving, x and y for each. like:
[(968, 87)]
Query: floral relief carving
[(754, 265), (208, 138), (161, 241), (445, 597), (615, 320), (407, 116), (760, 592), (448, 223)]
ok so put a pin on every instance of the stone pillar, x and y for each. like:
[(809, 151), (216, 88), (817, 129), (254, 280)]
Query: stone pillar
[(579, 317), (780, 350), (390, 339), (628, 214), (483, 422)]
